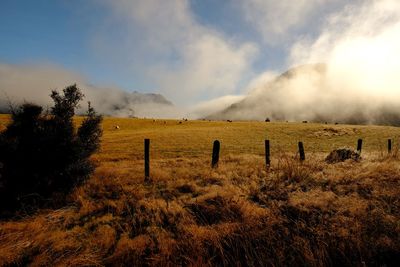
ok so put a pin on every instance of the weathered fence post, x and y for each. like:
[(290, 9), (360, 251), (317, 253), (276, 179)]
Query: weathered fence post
[(267, 154), (389, 146), (359, 145), (146, 159), (215, 154), (301, 151)]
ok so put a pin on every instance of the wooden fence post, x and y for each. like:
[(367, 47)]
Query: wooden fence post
[(301, 151), (267, 154), (359, 145), (146, 159), (389, 146), (215, 154)]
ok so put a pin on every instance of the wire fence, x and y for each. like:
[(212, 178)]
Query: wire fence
[(216, 149)]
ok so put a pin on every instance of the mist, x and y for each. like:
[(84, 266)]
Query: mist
[(350, 73), (33, 84), (214, 105)]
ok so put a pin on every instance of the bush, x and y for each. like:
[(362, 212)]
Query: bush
[(42, 155)]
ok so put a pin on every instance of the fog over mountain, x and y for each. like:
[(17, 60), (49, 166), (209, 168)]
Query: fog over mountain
[(308, 93), (33, 83), (358, 81)]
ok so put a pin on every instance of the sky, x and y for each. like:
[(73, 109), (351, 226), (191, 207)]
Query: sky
[(191, 51)]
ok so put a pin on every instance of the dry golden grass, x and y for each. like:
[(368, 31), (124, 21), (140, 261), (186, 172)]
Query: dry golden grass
[(293, 214)]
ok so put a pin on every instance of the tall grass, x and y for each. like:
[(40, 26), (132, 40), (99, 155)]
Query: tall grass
[(241, 214)]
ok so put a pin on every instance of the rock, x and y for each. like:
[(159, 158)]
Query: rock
[(342, 154)]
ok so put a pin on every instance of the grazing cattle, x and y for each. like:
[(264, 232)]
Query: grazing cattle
[(116, 127)]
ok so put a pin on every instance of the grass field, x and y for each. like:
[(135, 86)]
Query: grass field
[(293, 214), (191, 139), (171, 139)]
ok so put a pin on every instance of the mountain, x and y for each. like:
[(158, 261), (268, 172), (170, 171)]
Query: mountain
[(312, 93), (137, 98), (265, 101), (128, 101), (130, 104)]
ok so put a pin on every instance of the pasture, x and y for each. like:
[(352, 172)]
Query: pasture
[(241, 213), (193, 139), (172, 139)]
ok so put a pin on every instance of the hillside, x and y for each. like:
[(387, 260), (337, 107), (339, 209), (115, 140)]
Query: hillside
[(135, 104), (241, 213), (309, 93)]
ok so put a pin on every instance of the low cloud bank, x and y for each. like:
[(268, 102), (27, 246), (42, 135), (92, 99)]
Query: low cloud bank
[(305, 93), (33, 83)]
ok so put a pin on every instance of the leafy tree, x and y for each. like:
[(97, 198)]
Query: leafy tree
[(42, 156)]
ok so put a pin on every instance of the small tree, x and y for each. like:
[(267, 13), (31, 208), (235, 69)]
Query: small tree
[(42, 155)]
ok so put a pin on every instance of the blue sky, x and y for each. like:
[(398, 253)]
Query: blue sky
[(188, 50), (63, 32), (48, 31)]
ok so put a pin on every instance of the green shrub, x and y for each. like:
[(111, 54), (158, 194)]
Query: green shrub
[(42, 155)]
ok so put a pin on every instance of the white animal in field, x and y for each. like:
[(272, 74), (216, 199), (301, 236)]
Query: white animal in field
[(116, 127)]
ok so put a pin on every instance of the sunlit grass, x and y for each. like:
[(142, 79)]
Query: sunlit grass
[(292, 214), (195, 138), (174, 138)]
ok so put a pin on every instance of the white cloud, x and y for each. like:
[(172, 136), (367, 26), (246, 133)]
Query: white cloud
[(211, 67), (187, 61), (276, 20), (261, 80), (358, 82), (33, 83), (361, 46)]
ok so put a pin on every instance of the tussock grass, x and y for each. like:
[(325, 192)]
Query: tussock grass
[(240, 214), (309, 213)]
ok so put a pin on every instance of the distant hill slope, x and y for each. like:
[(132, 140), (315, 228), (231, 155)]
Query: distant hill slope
[(304, 93), (261, 103), (137, 104), (137, 98)]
